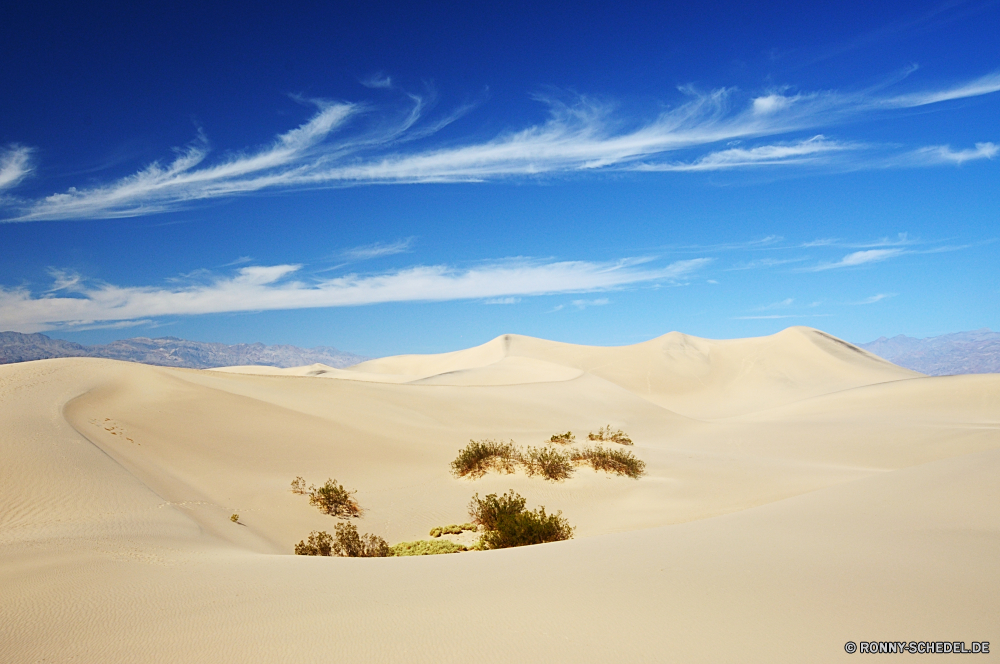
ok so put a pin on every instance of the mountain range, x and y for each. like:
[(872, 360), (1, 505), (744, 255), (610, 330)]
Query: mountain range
[(172, 352), (972, 352)]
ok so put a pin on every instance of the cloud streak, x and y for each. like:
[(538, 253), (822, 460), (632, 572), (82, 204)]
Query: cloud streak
[(275, 287), (378, 249), (15, 165), (352, 144), (858, 258)]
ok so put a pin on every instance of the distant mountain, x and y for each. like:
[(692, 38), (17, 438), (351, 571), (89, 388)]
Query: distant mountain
[(171, 352), (948, 354)]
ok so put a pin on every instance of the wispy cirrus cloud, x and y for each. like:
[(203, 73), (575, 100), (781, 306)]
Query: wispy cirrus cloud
[(354, 144), (943, 154), (858, 258), (811, 150), (15, 165), (378, 249), (873, 299), (274, 287)]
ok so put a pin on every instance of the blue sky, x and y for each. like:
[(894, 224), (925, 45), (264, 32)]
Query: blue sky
[(386, 178)]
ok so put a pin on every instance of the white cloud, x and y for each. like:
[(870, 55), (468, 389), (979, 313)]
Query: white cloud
[(811, 149), (943, 154), (772, 103), (583, 304), (858, 258), (777, 305), (15, 165), (378, 249), (981, 86), (378, 81), (762, 263), (502, 300), (874, 298), (346, 144), (273, 287)]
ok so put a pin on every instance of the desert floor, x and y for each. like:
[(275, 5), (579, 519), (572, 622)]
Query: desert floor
[(800, 493)]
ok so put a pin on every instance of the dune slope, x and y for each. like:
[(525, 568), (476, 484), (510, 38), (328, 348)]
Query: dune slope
[(800, 493)]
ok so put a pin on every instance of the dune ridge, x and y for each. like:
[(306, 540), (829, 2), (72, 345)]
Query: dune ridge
[(799, 491)]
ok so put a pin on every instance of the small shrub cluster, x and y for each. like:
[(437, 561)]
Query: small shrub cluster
[(346, 543), (320, 543), (451, 530), (235, 518), (605, 434), (548, 462), (620, 462), (481, 456), (506, 523), (331, 498), (426, 548), (562, 438)]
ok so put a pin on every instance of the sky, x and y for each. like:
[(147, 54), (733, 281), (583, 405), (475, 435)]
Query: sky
[(394, 178)]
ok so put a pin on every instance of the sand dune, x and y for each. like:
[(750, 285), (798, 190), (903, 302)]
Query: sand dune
[(800, 493)]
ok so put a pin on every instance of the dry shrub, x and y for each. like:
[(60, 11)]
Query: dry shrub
[(453, 529), (335, 500), (548, 462), (619, 462), (507, 524), (320, 543), (425, 548), (563, 438), (605, 434), (349, 544), (299, 486), (481, 456)]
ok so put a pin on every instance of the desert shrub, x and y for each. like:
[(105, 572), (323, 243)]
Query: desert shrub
[(425, 548), (548, 462), (481, 456), (563, 438), (607, 435), (486, 512), (335, 500), (619, 462), (299, 486), (506, 523), (349, 544), (451, 530), (235, 518), (319, 544)]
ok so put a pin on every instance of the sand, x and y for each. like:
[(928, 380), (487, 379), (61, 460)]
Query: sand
[(800, 493)]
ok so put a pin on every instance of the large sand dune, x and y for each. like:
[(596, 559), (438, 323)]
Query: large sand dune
[(799, 493)]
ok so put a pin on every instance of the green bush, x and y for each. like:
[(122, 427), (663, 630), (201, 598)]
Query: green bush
[(619, 462), (563, 438), (507, 524), (425, 548), (548, 462), (481, 456), (335, 500), (607, 435), (488, 511), (349, 544), (319, 544), (451, 530)]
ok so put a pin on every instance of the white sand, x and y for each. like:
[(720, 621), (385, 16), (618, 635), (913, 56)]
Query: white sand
[(800, 493)]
